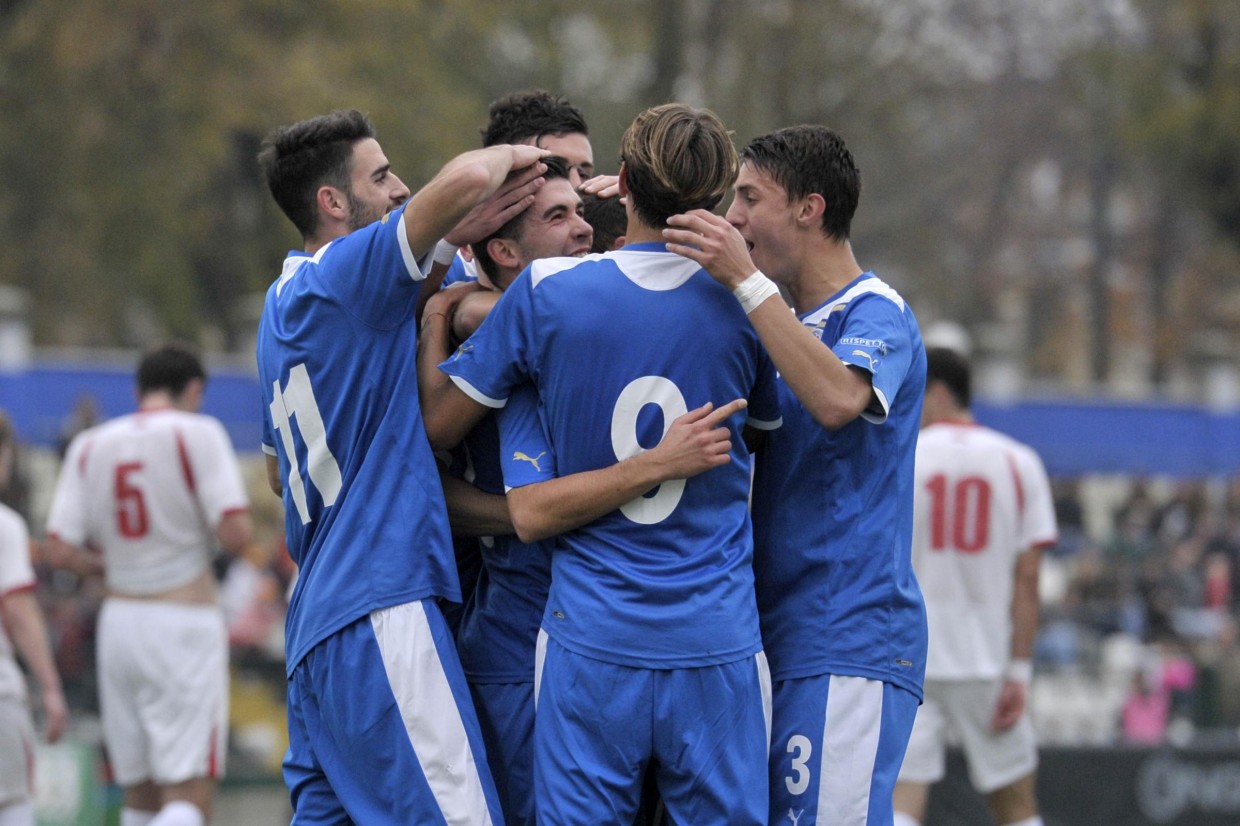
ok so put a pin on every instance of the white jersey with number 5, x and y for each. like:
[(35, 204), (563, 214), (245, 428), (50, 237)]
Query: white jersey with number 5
[(981, 500), (148, 490)]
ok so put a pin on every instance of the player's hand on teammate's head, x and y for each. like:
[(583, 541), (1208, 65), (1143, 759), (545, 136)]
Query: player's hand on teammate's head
[(514, 196), (604, 186), (712, 242)]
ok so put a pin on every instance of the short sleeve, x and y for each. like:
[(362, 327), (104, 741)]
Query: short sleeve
[(525, 449), (500, 354), (16, 572), (763, 412), (216, 475), (876, 338), (66, 518), (1038, 525)]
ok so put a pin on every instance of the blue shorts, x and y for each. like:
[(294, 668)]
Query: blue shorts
[(836, 748), (506, 712), (705, 731), (382, 729)]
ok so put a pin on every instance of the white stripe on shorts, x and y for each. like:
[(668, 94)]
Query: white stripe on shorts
[(764, 679), (540, 656), (429, 708), (849, 748)]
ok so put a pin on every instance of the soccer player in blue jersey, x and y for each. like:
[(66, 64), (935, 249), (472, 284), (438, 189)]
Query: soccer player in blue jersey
[(843, 620), (381, 727), (650, 652), (499, 622)]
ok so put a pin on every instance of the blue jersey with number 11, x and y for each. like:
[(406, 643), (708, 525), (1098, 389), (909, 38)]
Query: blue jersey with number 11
[(619, 345), (364, 510)]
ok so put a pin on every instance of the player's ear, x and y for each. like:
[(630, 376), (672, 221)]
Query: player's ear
[(504, 252), (622, 180), (809, 209), (332, 202)]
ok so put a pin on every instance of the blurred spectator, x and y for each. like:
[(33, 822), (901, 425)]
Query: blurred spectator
[(1133, 539), (1070, 514), (1146, 711), (84, 415), (1179, 517)]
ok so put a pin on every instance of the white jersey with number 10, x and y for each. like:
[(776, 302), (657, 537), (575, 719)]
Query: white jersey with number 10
[(981, 499)]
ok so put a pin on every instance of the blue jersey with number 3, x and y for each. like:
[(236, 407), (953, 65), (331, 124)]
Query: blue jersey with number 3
[(619, 345), (364, 511), (833, 509)]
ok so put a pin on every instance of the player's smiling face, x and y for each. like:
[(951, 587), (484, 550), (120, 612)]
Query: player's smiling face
[(375, 189), (761, 211), (555, 224)]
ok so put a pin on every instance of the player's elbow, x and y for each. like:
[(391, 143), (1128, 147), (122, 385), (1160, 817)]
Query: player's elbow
[(834, 408), (273, 475), (529, 521), (441, 431), (530, 529), (833, 415), (235, 531)]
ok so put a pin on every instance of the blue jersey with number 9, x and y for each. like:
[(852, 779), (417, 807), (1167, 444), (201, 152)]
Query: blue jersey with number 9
[(618, 346)]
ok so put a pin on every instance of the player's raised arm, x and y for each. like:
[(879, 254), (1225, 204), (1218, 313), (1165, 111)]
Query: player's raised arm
[(833, 393)]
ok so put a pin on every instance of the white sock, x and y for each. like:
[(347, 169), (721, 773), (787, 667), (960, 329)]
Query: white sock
[(904, 820), (178, 813), (136, 817), (1036, 820), (17, 814)]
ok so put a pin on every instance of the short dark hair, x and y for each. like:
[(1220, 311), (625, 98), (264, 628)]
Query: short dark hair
[(557, 167), (299, 158), (952, 369), (811, 159), (677, 158), (520, 116), (607, 217), (169, 367)]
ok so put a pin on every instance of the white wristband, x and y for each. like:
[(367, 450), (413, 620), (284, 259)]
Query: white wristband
[(1019, 671), (445, 251), (754, 290)]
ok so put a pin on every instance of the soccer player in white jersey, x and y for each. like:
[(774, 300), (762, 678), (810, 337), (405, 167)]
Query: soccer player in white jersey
[(381, 727), (983, 512), (843, 621), (21, 628), (651, 653), (147, 498)]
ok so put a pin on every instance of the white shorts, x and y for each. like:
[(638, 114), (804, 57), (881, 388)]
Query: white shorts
[(163, 690), (995, 759), (16, 752)]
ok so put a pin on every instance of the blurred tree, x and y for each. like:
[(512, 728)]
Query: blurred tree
[(1020, 161)]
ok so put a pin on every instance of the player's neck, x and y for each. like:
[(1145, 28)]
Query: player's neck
[(822, 271), (638, 232), (156, 400)]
